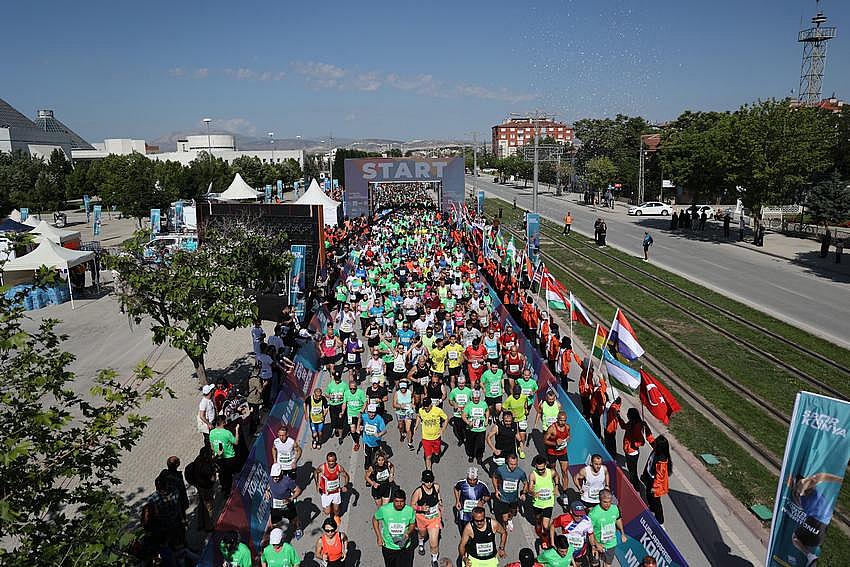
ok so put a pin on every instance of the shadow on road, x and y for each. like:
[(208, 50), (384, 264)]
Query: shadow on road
[(824, 267), (236, 372)]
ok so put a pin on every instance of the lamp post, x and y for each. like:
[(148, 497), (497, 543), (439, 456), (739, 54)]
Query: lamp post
[(209, 144), (271, 139)]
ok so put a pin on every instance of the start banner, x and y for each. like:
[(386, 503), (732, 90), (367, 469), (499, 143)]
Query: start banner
[(816, 456)]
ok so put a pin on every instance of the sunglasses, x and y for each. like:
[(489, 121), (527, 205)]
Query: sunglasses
[(329, 530)]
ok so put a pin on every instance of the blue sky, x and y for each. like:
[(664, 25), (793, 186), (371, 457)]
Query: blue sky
[(398, 69)]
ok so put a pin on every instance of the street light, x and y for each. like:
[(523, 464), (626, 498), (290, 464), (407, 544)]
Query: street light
[(271, 135), (474, 163), (209, 145)]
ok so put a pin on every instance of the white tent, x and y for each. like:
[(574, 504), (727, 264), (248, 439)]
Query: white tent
[(315, 196), (49, 254), (57, 235), (239, 191)]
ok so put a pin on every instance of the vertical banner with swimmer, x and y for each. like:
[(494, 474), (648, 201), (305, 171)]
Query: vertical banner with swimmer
[(479, 203), (816, 456)]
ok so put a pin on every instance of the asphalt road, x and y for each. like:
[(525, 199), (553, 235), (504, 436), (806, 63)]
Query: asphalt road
[(819, 304)]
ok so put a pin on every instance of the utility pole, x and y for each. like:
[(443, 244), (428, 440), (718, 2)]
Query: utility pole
[(474, 162), (641, 181)]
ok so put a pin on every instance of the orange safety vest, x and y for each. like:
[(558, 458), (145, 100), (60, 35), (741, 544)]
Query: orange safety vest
[(568, 219), (660, 485), (554, 347), (544, 331), (612, 423)]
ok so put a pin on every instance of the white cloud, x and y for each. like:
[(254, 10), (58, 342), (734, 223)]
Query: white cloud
[(320, 75), (503, 94), (201, 73), (235, 125), (176, 72)]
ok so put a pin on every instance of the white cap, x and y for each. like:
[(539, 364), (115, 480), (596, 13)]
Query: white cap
[(461, 380), (372, 408), (376, 380), (277, 470), (476, 393), (276, 536), (472, 472), (402, 384), (207, 389)]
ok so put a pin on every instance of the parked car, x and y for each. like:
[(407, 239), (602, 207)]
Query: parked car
[(651, 208)]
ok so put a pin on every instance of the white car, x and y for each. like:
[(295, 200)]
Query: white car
[(651, 208)]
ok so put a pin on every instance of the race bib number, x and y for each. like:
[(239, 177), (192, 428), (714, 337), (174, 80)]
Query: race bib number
[(452, 355), (370, 429), (526, 391), (461, 399), (513, 368), (499, 461), (432, 512), (376, 401), (484, 548), (495, 389), (561, 446), (278, 503), (352, 357), (576, 540), (523, 425), (593, 495), (468, 505), (397, 528), (337, 397), (285, 459), (548, 421), (377, 371), (544, 493), (436, 401), (476, 364), (509, 485), (509, 344), (316, 410), (329, 343), (607, 533), (383, 475), (332, 485), (491, 351), (423, 381)]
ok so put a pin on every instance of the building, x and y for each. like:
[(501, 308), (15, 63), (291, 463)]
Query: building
[(517, 132), (117, 146), (38, 139)]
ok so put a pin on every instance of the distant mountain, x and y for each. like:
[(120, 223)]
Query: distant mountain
[(168, 143)]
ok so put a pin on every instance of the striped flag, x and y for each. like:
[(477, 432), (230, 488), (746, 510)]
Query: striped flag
[(554, 293), (538, 275), (624, 337), (623, 374), (599, 340), (577, 312)]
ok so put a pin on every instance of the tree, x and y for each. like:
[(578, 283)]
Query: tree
[(251, 170), (188, 295), (311, 168), (59, 449), (617, 139), (47, 195), (600, 172), (829, 201), (842, 146), (206, 174), (289, 171)]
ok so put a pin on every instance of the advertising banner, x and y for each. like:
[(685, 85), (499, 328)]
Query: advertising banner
[(297, 279), (279, 185), (336, 183), (267, 198), (327, 184), (96, 225), (178, 215), (86, 203), (155, 222), (25, 214), (479, 203), (532, 233), (816, 456)]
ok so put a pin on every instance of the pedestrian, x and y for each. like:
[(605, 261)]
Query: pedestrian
[(201, 474), (606, 522), (612, 424), (656, 475), (278, 552), (163, 520), (825, 241), (727, 219), (759, 239), (647, 242), (702, 218), (477, 546), (741, 226), (282, 492), (568, 222), (514, 203), (393, 525), (223, 443), (233, 551), (839, 249), (206, 413), (674, 220), (603, 232), (596, 226), (332, 545), (175, 480)]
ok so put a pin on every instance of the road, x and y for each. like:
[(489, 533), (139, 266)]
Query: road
[(818, 304)]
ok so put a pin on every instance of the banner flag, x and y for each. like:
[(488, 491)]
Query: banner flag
[(479, 203), (267, 197), (95, 227), (577, 312), (555, 293), (599, 340), (816, 456), (628, 377), (25, 213), (178, 214), (155, 228), (297, 279), (656, 398), (279, 184), (86, 204), (624, 337)]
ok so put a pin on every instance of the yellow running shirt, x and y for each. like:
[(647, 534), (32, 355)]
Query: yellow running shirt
[(431, 422)]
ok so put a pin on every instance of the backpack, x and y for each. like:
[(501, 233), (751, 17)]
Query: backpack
[(189, 474)]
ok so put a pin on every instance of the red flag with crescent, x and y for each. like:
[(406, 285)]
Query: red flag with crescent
[(656, 398)]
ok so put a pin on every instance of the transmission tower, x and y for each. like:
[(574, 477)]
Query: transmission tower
[(814, 42)]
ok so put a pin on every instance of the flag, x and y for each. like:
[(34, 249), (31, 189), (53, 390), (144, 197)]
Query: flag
[(624, 337), (529, 268), (555, 293), (538, 274), (628, 377), (577, 312), (488, 252), (656, 398), (599, 339), (510, 252)]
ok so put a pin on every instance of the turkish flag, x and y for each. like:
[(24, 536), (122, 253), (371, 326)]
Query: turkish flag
[(655, 397)]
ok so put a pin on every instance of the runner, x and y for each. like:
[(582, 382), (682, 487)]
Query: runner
[(377, 394), (374, 428), (547, 411), (428, 505), (502, 439), (353, 402), (353, 347), (234, 552), (336, 397), (380, 476), (556, 439), (434, 421), (317, 409), (286, 452), (577, 527), (517, 404), (541, 488), (279, 553), (282, 492), (331, 545), (376, 367), (458, 398), (476, 415), (454, 352), (477, 546), (436, 390), (492, 385), (393, 525), (345, 321), (329, 347), (405, 413), (591, 480), (419, 376), (398, 361), (469, 494), (474, 355), (331, 481), (510, 484), (606, 522), (514, 365), (561, 555)]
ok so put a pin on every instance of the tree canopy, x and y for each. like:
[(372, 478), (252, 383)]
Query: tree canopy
[(829, 201)]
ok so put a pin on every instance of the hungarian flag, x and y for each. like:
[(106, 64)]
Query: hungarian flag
[(554, 293), (655, 397), (577, 312), (624, 337), (599, 339)]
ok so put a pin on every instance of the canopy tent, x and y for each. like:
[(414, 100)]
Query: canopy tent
[(9, 225), (315, 196), (58, 235), (238, 191), (49, 254)]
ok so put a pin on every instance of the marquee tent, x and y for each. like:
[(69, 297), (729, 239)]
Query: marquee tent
[(67, 238), (47, 253), (10, 225), (238, 191), (315, 196)]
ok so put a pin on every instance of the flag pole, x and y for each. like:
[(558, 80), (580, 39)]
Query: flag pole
[(607, 338)]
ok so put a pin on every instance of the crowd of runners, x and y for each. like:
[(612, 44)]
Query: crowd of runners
[(414, 340)]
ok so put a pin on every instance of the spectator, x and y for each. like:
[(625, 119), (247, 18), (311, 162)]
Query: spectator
[(206, 413), (201, 474), (174, 478)]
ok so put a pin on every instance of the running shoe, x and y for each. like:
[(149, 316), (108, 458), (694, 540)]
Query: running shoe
[(340, 439), (521, 454), (421, 549), (299, 534), (410, 446), (356, 447)]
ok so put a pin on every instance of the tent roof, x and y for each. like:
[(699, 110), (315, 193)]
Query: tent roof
[(9, 225), (238, 190), (315, 196), (57, 235), (49, 254)]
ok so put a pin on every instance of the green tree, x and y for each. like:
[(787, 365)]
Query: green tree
[(48, 196), (171, 177), (205, 174), (311, 168), (251, 170), (617, 139), (59, 449), (829, 201), (188, 295), (600, 172), (18, 175), (842, 146), (289, 171), (80, 180)]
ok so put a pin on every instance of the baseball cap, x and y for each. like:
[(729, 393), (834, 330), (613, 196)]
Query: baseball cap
[(276, 469), (276, 536), (461, 380), (207, 389), (472, 472), (427, 476), (476, 393), (577, 508), (375, 380), (402, 384), (371, 408)]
